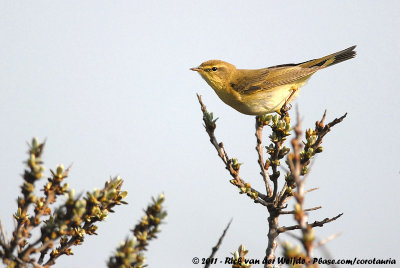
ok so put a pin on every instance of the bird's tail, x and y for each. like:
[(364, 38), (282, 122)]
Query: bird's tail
[(331, 59)]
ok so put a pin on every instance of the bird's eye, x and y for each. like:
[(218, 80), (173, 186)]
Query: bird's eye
[(214, 69)]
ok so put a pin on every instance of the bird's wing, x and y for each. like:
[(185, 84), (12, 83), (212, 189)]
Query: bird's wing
[(251, 81)]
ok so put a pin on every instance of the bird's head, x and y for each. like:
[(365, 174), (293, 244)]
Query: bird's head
[(217, 73)]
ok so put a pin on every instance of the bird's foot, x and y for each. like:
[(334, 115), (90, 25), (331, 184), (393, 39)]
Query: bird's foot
[(284, 110)]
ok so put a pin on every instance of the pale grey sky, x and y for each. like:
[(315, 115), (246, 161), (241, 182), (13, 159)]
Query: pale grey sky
[(108, 84)]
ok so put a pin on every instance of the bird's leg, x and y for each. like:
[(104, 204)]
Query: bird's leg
[(287, 106)]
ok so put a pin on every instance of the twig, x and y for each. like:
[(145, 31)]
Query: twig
[(287, 198), (63, 248), (3, 237), (262, 202), (260, 152), (237, 181), (293, 212), (296, 168), (321, 130), (298, 162), (326, 240), (327, 254), (216, 247), (26, 253), (314, 224), (310, 190), (49, 199), (37, 265), (294, 236), (310, 165)]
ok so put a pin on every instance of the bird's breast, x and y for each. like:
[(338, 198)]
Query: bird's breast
[(259, 103)]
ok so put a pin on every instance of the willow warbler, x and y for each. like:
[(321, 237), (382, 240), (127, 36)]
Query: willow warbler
[(267, 90)]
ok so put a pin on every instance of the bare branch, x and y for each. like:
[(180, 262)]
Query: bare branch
[(293, 236), (37, 265), (310, 190), (260, 152), (215, 249), (314, 224), (262, 202), (321, 130), (337, 120), (299, 161), (293, 212), (3, 237), (209, 124), (326, 240), (283, 199)]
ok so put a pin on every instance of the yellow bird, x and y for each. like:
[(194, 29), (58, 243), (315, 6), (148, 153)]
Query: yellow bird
[(267, 90)]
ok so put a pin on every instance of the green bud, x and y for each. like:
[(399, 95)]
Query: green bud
[(65, 187), (304, 170), (32, 160), (307, 133), (96, 211), (236, 255), (60, 169), (111, 194), (297, 207), (18, 213), (276, 162), (123, 194), (28, 187), (273, 137), (104, 214), (313, 139), (71, 194), (35, 142), (297, 250), (309, 236)]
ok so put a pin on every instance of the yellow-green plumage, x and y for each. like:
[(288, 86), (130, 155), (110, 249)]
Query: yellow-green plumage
[(262, 91)]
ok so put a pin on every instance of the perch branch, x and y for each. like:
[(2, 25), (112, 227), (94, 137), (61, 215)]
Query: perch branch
[(209, 125)]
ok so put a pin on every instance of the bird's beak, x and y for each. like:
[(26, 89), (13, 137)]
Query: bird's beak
[(197, 69)]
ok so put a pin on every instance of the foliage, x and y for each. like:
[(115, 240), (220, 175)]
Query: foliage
[(65, 225)]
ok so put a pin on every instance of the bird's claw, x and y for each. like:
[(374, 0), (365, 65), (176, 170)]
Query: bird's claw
[(284, 110)]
